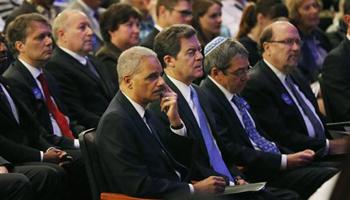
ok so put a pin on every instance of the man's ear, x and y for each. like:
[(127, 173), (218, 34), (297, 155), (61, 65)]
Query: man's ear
[(128, 82), (169, 61), (19, 46)]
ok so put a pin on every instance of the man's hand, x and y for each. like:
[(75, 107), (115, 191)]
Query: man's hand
[(53, 155), (339, 146), (300, 158), (212, 184), (168, 104), (3, 170)]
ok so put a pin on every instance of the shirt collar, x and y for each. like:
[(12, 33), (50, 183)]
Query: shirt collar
[(227, 93), (35, 72), (184, 89), (156, 26), (280, 75), (79, 58), (139, 109), (348, 36)]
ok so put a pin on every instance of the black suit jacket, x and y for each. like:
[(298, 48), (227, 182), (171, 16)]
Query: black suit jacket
[(20, 142), (23, 86), (85, 96), (131, 157), (336, 82), (258, 164), (108, 55), (149, 40), (199, 158), (275, 110)]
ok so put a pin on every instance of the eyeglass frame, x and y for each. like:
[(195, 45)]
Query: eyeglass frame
[(239, 73), (288, 42)]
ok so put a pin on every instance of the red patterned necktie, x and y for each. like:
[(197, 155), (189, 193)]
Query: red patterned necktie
[(53, 109)]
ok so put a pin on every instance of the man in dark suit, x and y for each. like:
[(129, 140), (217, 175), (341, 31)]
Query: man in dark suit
[(169, 12), (85, 90), (134, 159), (335, 74), (33, 85), (226, 63), (21, 142), (282, 100), (30, 37), (182, 65)]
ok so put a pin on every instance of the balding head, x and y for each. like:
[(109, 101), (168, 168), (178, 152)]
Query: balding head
[(72, 30), (280, 42)]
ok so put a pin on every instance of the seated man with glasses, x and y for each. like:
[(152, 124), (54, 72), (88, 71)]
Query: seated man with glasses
[(226, 63), (169, 12), (281, 98)]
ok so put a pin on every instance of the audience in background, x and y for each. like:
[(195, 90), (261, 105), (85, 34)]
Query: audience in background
[(120, 29), (304, 14), (45, 8), (84, 83), (207, 19), (231, 14), (169, 12), (255, 17), (147, 21)]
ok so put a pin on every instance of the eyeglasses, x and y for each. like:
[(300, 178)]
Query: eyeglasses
[(183, 13), (288, 42), (241, 72)]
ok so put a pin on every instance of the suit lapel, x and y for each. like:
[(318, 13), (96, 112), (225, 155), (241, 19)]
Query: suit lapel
[(282, 91), (152, 139), (232, 115)]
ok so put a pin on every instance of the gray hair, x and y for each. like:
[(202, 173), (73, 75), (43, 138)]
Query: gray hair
[(61, 20), (221, 56), (130, 59)]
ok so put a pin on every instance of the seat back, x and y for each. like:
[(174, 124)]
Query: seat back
[(93, 167)]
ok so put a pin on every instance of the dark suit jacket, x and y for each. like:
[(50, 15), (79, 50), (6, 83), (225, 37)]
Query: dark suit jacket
[(23, 86), (85, 96), (108, 55), (199, 159), (149, 40), (19, 142), (275, 110), (258, 164), (312, 74), (336, 82), (131, 157)]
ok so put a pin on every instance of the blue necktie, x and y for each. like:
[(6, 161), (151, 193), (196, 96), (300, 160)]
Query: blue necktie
[(215, 157), (262, 143), (318, 127)]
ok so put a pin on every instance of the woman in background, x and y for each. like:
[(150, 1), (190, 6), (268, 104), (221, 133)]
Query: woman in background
[(120, 29), (256, 16), (207, 20)]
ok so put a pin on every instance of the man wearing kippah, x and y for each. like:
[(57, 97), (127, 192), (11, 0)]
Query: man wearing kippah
[(226, 63)]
